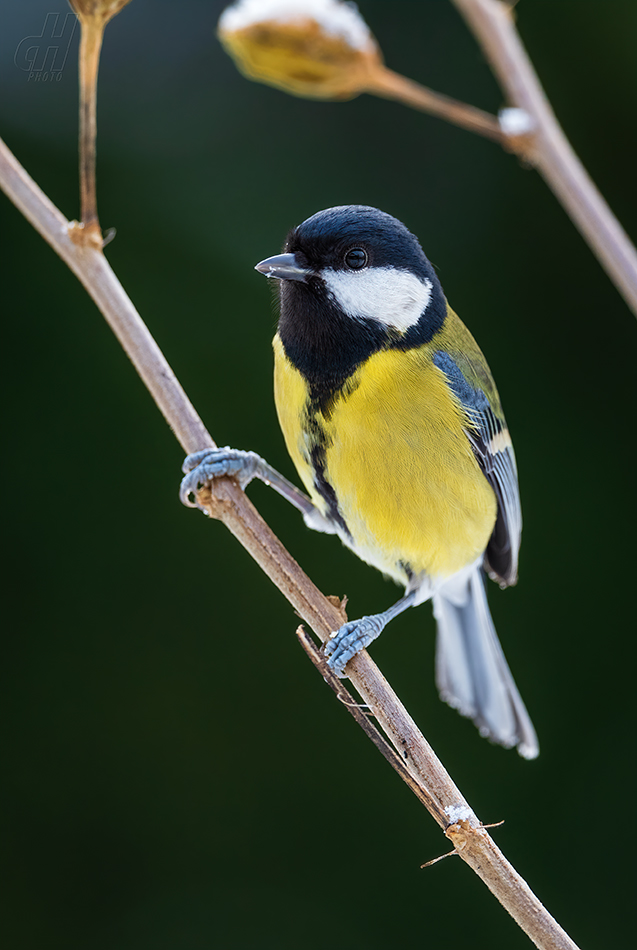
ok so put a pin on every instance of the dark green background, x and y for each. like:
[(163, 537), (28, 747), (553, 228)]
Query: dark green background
[(177, 775)]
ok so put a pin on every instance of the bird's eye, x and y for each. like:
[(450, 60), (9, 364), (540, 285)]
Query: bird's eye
[(356, 258)]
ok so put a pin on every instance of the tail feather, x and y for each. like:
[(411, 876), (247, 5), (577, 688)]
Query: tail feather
[(472, 673)]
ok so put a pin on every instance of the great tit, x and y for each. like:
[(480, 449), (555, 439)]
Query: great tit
[(393, 421)]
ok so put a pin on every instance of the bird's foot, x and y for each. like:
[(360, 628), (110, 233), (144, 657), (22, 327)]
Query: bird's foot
[(350, 640), (202, 467)]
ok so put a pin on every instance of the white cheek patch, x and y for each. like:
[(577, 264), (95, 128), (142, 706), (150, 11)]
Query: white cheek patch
[(395, 298)]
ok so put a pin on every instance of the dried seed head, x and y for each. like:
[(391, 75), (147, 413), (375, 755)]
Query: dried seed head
[(317, 48), (105, 9)]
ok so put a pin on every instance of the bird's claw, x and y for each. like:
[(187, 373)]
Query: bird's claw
[(202, 467), (350, 640)]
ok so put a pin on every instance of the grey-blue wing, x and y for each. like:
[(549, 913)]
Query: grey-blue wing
[(492, 446), (489, 436)]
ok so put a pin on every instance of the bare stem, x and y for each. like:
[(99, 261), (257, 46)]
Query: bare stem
[(90, 47), (550, 151), (390, 85), (228, 503)]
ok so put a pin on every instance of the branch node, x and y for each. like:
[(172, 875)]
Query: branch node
[(339, 603), (464, 833), (86, 235), (519, 132), (214, 505)]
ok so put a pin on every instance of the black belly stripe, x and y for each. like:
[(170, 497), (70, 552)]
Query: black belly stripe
[(325, 490), (318, 439)]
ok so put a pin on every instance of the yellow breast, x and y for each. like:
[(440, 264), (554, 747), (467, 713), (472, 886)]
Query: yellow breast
[(403, 471)]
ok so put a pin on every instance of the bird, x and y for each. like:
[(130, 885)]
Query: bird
[(393, 421)]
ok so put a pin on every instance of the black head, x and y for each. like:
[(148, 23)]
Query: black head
[(353, 280), (325, 238)]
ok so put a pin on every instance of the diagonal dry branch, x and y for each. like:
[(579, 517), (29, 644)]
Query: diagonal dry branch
[(548, 149), (228, 503)]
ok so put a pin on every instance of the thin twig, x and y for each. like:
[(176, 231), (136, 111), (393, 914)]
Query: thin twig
[(550, 151), (441, 857), (90, 47), (370, 730), (231, 505), (390, 85), (93, 16)]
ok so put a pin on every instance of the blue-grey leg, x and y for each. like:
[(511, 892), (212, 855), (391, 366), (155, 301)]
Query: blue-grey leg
[(358, 634), (202, 467)]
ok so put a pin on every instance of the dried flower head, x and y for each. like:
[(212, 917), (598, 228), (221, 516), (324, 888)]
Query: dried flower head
[(105, 9), (317, 48)]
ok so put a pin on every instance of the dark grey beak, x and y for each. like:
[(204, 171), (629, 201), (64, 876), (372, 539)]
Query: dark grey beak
[(284, 267)]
